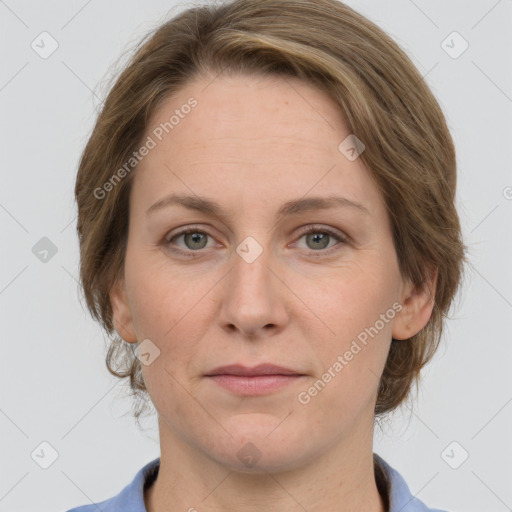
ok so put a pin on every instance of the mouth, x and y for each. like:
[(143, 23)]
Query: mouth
[(259, 380), (255, 371)]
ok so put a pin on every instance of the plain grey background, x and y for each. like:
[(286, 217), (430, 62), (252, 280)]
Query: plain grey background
[(54, 387)]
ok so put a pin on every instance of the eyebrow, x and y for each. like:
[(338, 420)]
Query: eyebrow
[(209, 206)]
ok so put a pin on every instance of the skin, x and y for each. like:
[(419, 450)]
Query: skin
[(251, 144)]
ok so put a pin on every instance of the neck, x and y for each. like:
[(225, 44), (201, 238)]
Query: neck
[(341, 479)]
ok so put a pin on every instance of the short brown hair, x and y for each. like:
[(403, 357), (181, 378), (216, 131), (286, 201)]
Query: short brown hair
[(409, 151)]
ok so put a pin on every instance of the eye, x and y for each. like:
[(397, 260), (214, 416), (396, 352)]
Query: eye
[(193, 239), (318, 237)]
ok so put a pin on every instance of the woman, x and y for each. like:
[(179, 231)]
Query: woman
[(267, 226)]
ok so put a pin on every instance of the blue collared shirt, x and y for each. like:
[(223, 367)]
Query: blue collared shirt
[(131, 498)]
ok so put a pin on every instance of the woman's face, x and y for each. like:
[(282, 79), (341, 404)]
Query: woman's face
[(248, 285)]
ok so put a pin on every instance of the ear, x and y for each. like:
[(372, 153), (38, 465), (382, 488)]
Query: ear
[(122, 315), (417, 306)]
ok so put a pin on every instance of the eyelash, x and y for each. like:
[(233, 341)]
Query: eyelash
[(309, 229)]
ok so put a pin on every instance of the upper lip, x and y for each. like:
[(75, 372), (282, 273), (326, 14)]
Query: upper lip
[(261, 369)]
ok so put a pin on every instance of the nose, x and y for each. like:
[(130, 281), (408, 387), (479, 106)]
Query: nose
[(254, 298)]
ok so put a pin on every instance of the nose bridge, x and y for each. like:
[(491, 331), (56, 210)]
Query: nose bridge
[(251, 301), (250, 267)]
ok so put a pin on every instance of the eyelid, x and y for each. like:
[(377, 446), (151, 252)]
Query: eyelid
[(321, 228)]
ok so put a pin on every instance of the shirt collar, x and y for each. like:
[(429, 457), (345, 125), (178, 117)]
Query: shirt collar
[(400, 497), (131, 498)]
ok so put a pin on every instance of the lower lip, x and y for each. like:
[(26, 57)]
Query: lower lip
[(255, 384)]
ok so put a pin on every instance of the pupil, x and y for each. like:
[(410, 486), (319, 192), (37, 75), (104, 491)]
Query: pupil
[(320, 237), (196, 239)]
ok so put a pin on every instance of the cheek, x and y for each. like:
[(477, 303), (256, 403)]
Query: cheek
[(173, 310), (164, 299), (168, 317), (354, 301), (357, 311)]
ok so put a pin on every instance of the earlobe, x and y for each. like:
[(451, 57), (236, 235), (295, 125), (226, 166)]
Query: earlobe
[(122, 315), (417, 307)]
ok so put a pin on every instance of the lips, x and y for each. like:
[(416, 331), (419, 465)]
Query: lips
[(264, 379), (262, 369)]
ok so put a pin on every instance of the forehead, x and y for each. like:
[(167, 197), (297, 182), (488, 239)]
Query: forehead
[(274, 110), (246, 136)]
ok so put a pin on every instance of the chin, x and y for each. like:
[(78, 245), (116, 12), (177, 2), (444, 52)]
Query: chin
[(253, 458), (255, 446)]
